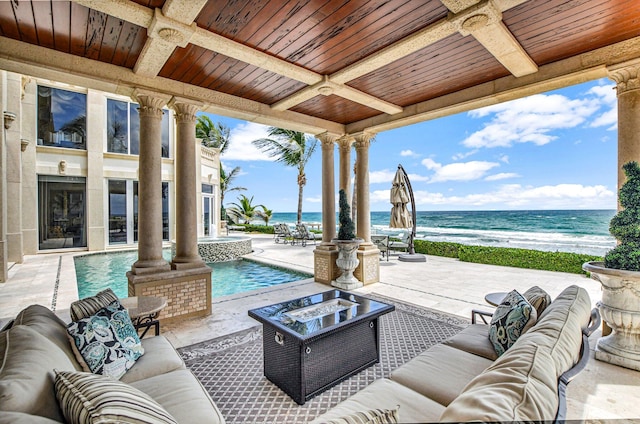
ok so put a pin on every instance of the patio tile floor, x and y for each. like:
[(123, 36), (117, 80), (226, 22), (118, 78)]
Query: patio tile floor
[(601, 392)]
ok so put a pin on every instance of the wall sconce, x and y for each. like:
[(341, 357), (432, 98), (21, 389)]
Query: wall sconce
[(9, 117)]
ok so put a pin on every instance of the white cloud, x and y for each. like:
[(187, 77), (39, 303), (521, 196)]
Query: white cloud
[(459, 156), (383, 176), (409, 153), (501, 176), (608, 118), (461, 171), (240, 147), (530, 120), (504, 158), (560, 196), (314, 199)]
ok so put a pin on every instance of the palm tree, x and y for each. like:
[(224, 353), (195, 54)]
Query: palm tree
[(292, 148), (244, 210), (265, 214), (226, 181), (212, 135)]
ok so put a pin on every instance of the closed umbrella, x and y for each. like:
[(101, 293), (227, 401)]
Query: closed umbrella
[(400, 196)]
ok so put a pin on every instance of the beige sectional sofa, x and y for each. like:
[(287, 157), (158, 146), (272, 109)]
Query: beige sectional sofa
[(463, 379), (37, 343)]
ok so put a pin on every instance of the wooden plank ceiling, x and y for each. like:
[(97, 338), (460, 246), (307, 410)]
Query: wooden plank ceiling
[(335, 64)]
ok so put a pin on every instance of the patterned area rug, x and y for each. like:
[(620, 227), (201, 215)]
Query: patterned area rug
[(231, 367)]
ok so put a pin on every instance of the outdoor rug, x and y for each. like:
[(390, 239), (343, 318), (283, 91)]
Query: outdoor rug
[(231, 367)]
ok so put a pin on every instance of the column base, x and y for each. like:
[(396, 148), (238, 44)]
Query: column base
[(368, 271), (153, 266), (187, 263), (325, 269), (188, 292)]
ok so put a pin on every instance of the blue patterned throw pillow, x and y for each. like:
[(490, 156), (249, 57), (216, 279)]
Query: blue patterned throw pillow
[(512, 318), (107, 341)]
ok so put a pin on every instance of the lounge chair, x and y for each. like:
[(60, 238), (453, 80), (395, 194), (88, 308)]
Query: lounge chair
[(400, 246), (282, 233), (303, 235), (382, 243)]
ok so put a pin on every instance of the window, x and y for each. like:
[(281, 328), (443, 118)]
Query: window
[(61, 212), (62, 118), (208, 211), (123, 128), (123, 211)]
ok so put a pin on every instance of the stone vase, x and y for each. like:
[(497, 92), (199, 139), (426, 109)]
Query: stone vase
[(620, 309), (347, 262)]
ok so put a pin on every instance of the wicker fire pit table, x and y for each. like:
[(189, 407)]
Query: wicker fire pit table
[(314, 342)]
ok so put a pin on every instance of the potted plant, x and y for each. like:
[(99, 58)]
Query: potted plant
[(347, 246), (619, 276)]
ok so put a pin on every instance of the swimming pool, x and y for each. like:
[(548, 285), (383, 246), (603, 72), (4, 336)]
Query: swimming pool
[(98, 271)]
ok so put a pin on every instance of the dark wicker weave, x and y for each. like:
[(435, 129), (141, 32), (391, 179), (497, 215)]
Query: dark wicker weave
[(306, 365)]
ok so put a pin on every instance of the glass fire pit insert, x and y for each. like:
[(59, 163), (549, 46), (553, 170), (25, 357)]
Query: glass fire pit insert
[(314, 342)]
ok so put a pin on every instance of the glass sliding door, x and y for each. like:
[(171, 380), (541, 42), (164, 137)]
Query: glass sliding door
[(208, 211), (61, 212), (117, 212)]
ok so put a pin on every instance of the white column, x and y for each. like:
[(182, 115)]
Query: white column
[(150, 258), (344, 145), (362, 143), (328, 187), (187, 255), (628, 90), (14, 169)]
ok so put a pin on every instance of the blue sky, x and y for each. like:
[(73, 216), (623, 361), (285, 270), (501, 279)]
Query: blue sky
[(556, 150)]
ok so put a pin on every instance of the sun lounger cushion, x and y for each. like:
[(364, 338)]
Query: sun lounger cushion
[(440, 380), (512, 318), (538, 298), (86, 397), (160, 357)]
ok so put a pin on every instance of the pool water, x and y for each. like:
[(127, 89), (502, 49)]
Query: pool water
[(96, 272)]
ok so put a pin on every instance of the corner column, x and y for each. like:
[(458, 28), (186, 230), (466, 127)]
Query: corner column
[(325, 255), (14, 168), (344, 144), (627, 81), (369, 269), (186, 253), (150, 258)]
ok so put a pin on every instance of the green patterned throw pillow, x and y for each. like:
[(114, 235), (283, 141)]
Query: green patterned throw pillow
[(512, 318), (89, 398), (107, 341)]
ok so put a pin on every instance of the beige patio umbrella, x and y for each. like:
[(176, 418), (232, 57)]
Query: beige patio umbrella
[(400, 196)]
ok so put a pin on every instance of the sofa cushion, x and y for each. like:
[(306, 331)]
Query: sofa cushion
[(90, 398), (47, 323), (182, 395), (10, 417), (520, 386), (474, 339), (27, 359), (159, 358), (387, 394), (538, 298), (372, 416), (88, 306), (440, 373), (107, 341), (512, 318)]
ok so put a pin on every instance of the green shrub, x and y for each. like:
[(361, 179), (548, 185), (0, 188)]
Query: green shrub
[(436, 248), (625, 225), (252, 228), (525, 258)]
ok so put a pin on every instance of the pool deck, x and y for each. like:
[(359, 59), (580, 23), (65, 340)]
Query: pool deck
[(601, 392)]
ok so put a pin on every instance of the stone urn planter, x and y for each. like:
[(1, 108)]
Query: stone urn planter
[(620, 309), (347, 262)]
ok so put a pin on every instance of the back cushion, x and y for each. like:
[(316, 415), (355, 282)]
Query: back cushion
[(45, 322), (520, 386), (88, 306), (27, 360)]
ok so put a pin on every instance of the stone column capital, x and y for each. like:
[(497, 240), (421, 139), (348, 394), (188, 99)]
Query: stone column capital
[(363, 139), (345, 142), (151, 103), (626, 77), (327, 138), (185, 109)]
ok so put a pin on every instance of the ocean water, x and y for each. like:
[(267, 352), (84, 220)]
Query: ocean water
[(577, 231)]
